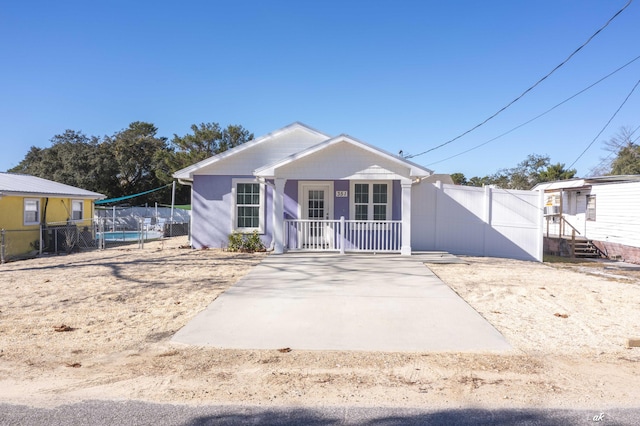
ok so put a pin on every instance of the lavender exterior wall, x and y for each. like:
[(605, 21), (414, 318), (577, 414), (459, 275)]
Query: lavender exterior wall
[(291, 199), (396, 200), (212, 210), (341, 205)]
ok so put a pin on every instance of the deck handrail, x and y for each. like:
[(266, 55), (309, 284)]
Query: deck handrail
[(560, 225), (570, 225)]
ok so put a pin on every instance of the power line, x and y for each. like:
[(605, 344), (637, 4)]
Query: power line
[(631, 134), (539, 115), (599, 165), (530, 88), (604, 160), (606, 125)]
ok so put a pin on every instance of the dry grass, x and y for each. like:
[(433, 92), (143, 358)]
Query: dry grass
[(98, 325)]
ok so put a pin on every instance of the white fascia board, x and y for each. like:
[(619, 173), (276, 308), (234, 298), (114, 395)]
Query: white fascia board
[(187, 172), (585, 182), (601, 180), (560, 184), (51, 195), (415, 170)]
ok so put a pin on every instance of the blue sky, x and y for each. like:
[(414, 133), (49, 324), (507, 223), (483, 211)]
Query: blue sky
[(401, 75)]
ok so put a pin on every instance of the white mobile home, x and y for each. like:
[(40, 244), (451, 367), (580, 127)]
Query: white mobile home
[(604, 210)]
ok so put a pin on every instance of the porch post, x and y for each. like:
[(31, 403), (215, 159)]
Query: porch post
[(278, 216), (343, 239), (405, 250)]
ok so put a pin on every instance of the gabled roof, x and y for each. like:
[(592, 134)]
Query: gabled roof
[(188, 172), (288, 145), (415, 170), (585, 182), (27, 185)]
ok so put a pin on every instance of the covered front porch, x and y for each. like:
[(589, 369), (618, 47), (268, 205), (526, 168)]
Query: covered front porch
[(341, 215), (343, 235), (341, 196)]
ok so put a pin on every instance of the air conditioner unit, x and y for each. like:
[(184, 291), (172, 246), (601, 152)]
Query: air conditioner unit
[(551, 210)]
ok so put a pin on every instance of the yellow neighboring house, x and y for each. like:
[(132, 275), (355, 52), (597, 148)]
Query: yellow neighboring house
[(27, 201)]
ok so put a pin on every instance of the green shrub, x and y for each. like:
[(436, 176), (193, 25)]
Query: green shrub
[(235, 242), (253, 242), (247, 243)]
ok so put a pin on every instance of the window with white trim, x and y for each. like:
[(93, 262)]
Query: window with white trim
[(248, 209), (371, 201), (31, 211), (591, 207), (77, 209), (361, 201), (380, 201)]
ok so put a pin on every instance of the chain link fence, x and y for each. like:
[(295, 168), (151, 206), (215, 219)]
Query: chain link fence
[(128, 218), (91, 234), (124, 225)]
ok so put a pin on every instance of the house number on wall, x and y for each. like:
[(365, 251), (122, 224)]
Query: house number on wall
[(341, 194)]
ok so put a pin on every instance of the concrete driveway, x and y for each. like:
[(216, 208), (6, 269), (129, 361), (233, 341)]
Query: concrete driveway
[(332, 302)]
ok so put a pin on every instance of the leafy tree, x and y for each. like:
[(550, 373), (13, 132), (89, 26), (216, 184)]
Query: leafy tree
[(524, 176), (531, 171), (30, 163), (233, 136), (555, 172), (73, 159), (130, 161), (459, 178), (206, 140), (627, 160), (478, 181), (138, 156)]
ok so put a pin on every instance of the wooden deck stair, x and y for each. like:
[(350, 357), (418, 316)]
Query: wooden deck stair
[(576, 247), (584, 248)]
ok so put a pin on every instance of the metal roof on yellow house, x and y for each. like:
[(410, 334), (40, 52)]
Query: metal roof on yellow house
[(27, 185)]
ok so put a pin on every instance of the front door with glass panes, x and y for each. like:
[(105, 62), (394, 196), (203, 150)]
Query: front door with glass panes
[(316, 207)]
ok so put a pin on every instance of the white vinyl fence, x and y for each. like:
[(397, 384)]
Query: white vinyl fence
[(477, 221)]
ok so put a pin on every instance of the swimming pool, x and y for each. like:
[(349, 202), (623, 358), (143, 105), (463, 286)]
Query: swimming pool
[(129, 235)]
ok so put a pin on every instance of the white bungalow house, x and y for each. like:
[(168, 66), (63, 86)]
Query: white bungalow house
[(605, 211), (301, 189)]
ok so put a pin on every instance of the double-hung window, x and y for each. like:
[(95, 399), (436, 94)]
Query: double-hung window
[(31, 211), (248, 214), (371, 201), (591, 207), (361, 201), (77, 207)]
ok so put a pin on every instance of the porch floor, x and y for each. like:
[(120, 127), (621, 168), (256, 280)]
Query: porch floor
[(325, 301)]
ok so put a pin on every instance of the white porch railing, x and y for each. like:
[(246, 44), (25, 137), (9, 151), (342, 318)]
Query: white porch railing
[(343, 235)]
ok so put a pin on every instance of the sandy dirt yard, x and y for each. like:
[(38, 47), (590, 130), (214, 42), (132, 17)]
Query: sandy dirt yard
[(97, 325)]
